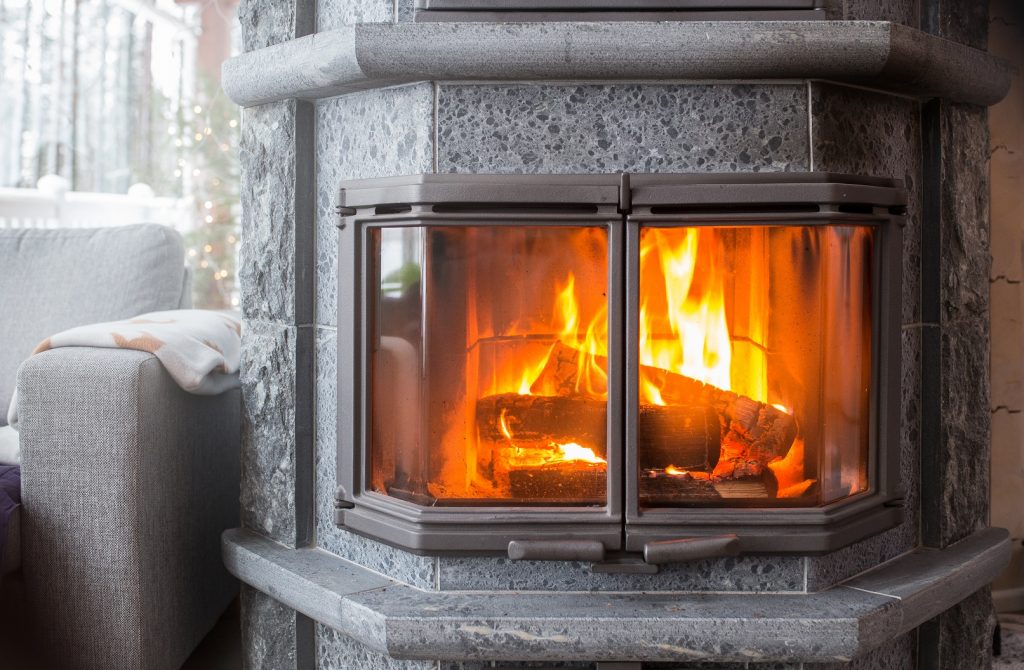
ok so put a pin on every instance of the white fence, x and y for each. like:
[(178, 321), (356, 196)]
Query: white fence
[(52, 205)]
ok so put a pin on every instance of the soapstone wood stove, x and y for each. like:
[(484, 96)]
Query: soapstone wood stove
[(498, 406), (645, 334)]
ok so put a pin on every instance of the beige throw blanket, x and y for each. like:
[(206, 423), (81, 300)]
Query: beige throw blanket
[(198, 348)]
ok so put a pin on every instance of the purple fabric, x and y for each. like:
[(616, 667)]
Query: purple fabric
[(10, 498)]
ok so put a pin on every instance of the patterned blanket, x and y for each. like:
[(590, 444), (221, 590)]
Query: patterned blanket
[(198, 348)]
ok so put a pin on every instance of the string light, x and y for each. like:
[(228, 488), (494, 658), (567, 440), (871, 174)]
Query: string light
[(208, 248), (233, 123), (197, 109), (208, 219)]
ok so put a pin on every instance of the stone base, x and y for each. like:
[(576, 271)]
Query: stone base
[(835, 625)]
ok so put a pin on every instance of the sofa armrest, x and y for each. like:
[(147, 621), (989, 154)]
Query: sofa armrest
[(127, 483)]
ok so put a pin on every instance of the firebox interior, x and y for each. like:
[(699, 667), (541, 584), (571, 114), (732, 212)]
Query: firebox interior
[(467, 404), (755, 364)]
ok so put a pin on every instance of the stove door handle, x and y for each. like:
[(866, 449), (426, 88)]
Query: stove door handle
[(691, 549), (556, 550)]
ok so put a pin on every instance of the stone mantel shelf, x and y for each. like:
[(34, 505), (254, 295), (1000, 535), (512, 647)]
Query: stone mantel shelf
[(878, 54), (407, 623)]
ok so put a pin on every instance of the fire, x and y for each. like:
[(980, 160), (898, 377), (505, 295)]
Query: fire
[(691, 335), (593, 347), (675, 472), (789, 472), (569, 452), (576, 452), (520, 375)]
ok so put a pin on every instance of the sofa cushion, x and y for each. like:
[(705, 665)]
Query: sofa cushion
[(52, 280)]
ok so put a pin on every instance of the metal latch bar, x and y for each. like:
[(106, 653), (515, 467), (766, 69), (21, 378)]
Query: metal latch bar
[(691, 549), (556, 550)]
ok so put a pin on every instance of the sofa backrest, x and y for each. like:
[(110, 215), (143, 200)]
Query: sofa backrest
[(52, 280)]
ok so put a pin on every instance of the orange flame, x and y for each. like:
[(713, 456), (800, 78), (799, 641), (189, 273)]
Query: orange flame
[(789, 472), (690, 334), (570, 452), (520, 374)]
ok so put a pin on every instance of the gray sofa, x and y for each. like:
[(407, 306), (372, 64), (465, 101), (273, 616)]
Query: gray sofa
[(127, 481)]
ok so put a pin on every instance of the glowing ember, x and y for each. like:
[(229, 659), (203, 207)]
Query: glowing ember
[(569, 452), (675, 472), (576, 452)]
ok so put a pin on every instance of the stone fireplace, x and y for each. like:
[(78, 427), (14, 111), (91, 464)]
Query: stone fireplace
[(610, 147)]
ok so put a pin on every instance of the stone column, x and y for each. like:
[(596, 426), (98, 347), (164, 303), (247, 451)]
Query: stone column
[(276, 278), (956, 450)]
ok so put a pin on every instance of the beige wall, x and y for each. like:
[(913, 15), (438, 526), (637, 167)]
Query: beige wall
[(1006, 121)]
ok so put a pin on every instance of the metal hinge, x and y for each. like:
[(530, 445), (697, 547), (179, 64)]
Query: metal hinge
[(341, 500), (342, 212)]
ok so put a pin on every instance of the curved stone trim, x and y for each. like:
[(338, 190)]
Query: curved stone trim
[(408, 623), (872, 53)]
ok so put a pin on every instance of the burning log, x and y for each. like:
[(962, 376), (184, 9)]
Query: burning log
[(751, 433), (540, 420), (685, 436), (561, 481), (757, 434)]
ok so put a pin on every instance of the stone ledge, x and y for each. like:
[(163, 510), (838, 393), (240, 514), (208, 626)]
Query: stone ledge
[(407, 623), (884, 55)]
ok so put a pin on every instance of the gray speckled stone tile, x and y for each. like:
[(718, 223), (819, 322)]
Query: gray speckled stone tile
[(669, 627), (723, 666), (861, 132), (745, 573), (326, 428), (512, 665), (331, 14), (965, 247), (829, 569), (897, 11), (267, 379), (419, 571), (966, 631), (379, 133), (898, 654), (268, 632), (964, 21), (965, 409), (266, 22), (910, 440), (266, 258), (512, 128), (335, 651)]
